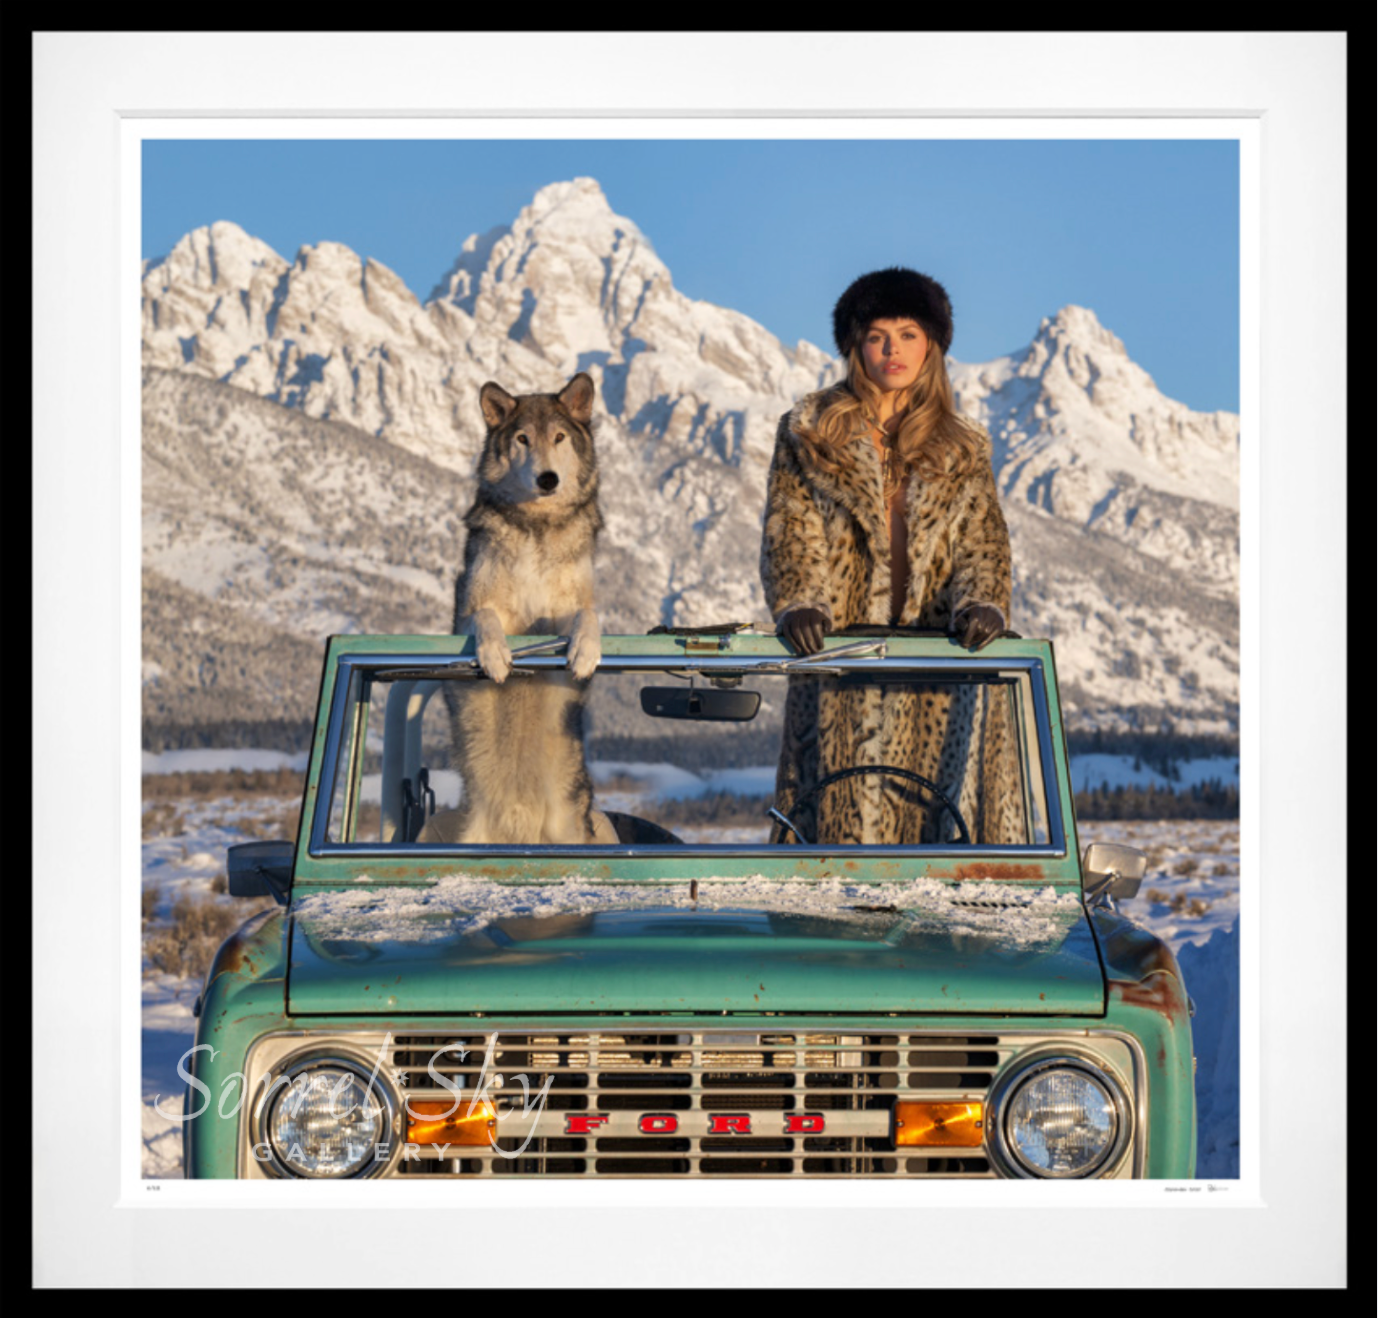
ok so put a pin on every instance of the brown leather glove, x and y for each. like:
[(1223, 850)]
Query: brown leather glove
[(803, 628), (977, 626)]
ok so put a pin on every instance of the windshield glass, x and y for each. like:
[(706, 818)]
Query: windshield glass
[(656, 754)]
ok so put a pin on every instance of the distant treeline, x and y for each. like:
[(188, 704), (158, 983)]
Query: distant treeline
[(224, 782), (290, 735), (1152, 745), (1208, 800), (741, 746), (1162, 752)]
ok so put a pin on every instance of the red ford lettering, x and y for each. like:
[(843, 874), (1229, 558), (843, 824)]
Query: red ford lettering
[(804, 1123), (729, 1123), (582, 1123), (658, 1123)]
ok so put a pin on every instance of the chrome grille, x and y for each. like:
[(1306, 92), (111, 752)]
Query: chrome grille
[(719, 1102)]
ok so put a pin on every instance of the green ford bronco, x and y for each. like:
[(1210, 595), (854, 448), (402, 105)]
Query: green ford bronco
[(824, 916)]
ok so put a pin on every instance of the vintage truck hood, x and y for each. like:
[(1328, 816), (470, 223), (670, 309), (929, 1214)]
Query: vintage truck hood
[(460, 949)]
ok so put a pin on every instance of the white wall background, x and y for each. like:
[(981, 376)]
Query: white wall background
[(85, 629)]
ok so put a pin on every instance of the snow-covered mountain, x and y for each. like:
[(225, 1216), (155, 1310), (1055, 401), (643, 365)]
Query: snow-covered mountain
[(311, 429), (1081, 432), (568, 286)]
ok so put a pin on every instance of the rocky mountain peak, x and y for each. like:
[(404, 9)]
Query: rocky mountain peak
[(569, 204), (1080, 326), (1074, 346), (217, 257)]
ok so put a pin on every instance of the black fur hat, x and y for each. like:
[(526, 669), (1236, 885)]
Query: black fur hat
[(897, 293)]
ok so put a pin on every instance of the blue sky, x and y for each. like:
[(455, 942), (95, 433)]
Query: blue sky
[(1145, 233)]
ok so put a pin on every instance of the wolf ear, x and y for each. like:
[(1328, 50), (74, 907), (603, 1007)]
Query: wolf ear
[(497, 404), (577, 398)]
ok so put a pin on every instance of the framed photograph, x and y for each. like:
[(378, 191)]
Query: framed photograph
[(291, 419)]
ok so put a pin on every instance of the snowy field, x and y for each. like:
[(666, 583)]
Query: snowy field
[(1190, 897)]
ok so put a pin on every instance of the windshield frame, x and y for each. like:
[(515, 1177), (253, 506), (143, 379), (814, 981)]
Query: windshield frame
[(350, 662)]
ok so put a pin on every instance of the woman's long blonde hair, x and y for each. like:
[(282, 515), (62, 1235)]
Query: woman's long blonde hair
[(933, 438)]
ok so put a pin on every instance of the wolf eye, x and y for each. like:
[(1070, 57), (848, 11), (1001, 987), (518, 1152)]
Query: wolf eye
[(559, 437), (523, 439)]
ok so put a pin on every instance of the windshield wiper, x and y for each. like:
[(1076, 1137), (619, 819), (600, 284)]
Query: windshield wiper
[(818, 663), (822, 656), (469, 667)]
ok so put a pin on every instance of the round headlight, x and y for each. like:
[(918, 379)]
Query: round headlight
[(329, 1122), (1062, 1118)]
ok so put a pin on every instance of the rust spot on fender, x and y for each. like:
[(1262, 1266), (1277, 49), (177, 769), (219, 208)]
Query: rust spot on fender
[(1140, 968), (255, 938), (231, 957), (1159, 992)]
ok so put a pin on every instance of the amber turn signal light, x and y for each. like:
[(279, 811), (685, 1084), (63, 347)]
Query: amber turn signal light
[(427, 1122), (947, 1125)]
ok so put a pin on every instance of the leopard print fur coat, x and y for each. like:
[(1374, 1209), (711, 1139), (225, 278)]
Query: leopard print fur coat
[(825, 544)]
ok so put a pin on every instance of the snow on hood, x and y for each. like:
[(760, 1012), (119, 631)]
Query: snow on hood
[(456, 904)]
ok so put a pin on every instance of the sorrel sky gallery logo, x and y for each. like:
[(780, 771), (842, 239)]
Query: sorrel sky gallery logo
[(354, 1097)]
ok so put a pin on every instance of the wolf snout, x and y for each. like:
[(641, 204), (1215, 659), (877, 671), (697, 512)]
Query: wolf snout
[(548, 480)]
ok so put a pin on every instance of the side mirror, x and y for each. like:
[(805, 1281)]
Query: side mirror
[(1111, 870), (700, 703), (261, 869)]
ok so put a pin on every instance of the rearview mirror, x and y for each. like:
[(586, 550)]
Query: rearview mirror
[(1109, 869), (700, 703)]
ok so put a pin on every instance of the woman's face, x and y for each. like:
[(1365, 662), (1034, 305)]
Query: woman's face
[(892, 352)]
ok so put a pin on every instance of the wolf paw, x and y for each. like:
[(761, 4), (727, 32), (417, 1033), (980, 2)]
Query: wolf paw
[(585, 650), (495, 658)]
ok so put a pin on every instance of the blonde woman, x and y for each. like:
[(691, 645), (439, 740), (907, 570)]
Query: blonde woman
[(882, 510)]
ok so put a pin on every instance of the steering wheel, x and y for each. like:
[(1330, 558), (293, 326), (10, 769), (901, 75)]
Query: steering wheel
[(782, 822)]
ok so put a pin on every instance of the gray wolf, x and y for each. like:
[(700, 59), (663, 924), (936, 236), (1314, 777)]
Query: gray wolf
[(528, 570)]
